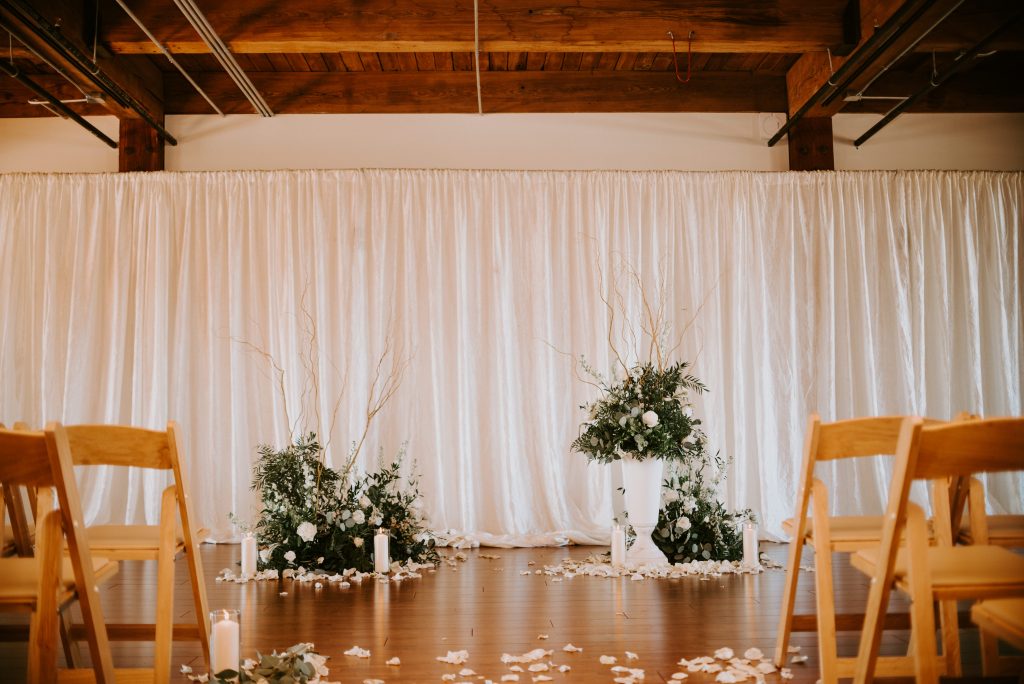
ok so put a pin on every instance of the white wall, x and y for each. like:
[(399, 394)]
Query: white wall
[(521, 141)]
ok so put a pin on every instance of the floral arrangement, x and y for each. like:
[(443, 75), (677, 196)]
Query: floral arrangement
[(314, 517), (300, 664), (647, 414), (693, 524)]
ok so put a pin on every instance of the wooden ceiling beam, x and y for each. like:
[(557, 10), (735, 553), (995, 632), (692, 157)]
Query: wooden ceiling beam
[(304, 26), (503, 91), (139, 79)]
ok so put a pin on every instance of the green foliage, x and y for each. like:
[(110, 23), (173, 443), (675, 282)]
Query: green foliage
[(693, 523), (299, 493), (298, 665), (647, 414)]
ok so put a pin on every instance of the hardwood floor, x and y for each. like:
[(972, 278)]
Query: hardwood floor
[(488, 608)]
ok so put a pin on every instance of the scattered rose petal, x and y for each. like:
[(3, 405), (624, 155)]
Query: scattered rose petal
[(538, 667), (753, 654), (786, 673), (185, 669), (631, 656), (283, 593), (466, 672), (798, 659), (373, 681), (318, 585), (564, 668), (455, 657), (542, 678), (569, 648), (766, 667), (793, 649), (510, 678), (358, 652), (679, 675), (447, 678), (394, 661), (516, 668), (542, 637), (724, 653), (727, 678), (608, 660)]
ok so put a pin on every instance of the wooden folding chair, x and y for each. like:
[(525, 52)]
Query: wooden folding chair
[(46, 583), (1002, 620), (942, 572), (116, 445), (827, 534), (17, 531), (980, 528)]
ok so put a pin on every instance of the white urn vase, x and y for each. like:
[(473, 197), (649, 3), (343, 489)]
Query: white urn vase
[(642, 482)]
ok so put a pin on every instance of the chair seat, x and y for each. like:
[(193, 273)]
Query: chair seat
[(845, 528), (21, 579), (1002, 530), (132, 538), (1004, 618), (967, 571)]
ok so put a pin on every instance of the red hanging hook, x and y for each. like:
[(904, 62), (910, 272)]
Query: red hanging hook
[(689, 56)]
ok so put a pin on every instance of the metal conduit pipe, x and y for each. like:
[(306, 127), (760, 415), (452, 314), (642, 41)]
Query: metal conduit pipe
[(56, 40), (167, 53), (62, 108), (956, 67), (223, 55), (892, 29)]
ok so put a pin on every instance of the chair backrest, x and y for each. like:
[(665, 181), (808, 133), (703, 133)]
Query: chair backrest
[(119, 445), (43, 460), (122, 445), (856, 437)]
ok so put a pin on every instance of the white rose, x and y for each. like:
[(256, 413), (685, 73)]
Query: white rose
[(650, 418), (346, 514), (359, 517), (683, 524), (689, 503), (375, 521), (265, 555), (690, 438), (670, 495), (364, 502), (688, 412), (307, 531), (290, 556), (357, 542)]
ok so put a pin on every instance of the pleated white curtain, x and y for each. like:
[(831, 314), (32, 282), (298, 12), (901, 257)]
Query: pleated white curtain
[(140, 298)]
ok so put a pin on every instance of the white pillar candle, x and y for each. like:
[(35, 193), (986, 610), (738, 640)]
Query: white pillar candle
[(224, 636), (248, 555), (618, 546), (381, 554), (750, 556)]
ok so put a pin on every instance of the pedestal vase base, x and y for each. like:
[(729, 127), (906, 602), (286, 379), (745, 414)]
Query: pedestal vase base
[(644, 551)]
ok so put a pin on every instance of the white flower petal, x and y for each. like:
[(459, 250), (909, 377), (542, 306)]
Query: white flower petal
[(510, 678), (799, 659), (394, 661), (679, 675), (724, 653), (608, 660), (786, 673), (631, 656), (753, 654), (358, 652)]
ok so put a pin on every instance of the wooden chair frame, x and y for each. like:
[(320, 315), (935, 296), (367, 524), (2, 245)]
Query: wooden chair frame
[(136, 447), (42, 460), (934, 453), (843, 439)]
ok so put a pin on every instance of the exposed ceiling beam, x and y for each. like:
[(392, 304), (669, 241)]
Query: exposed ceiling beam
[(506, 91), (792, 26), (139, 80)]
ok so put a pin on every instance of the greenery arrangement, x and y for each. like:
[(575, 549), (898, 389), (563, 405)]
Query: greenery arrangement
[(298, 665), (693, 524), (647, 414), (314, 517)]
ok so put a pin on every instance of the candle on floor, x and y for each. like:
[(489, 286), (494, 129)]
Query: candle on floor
[(750, 556), (381, 554), (224, 637), (248, 555), (618, 546)]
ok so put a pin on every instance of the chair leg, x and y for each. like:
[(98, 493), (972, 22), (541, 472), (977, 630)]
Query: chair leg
[(950, 626), (72, 653), (990, 665), (785, 627), (824, 597), (922, 607), (202, 610), (165, 590)]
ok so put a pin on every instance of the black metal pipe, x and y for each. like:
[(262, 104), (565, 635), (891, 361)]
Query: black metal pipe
[(892, 29), (14, 73), (62, 45), (956, 67)]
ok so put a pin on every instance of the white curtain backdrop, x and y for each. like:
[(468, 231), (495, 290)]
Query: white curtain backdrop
[(129, 299)]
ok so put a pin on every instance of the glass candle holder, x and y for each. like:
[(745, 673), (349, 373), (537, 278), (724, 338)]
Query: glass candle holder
[(225, 635), (381, 551), (618, 546)]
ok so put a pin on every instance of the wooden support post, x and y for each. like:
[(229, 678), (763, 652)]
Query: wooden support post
[(140, 147), (810, 145)]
